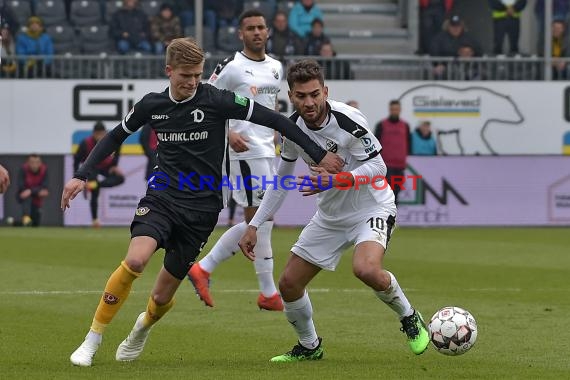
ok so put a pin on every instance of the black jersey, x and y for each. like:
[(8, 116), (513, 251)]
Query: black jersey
[(192, 142)]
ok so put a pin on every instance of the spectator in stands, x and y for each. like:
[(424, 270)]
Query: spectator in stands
[(4, 179), (164, 27), (432, 16), (8, 18), (108, 169), (32, 190), (394, 136), (130, 29), (560, 11), (464, 68), (353, 103), (302, 15), (448, 42), (35, 42), (149, 142), (333, 69), (422, 141), (282, 41), (316, 38), (506, 22), (8, 64), (560, 49), (185, 10)]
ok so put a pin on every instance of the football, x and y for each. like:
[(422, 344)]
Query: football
[(452, 330)]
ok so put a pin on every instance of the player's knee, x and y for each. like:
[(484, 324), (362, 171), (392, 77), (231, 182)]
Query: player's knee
[(288, 289), (364, 272), (161, 299), (135, 264)]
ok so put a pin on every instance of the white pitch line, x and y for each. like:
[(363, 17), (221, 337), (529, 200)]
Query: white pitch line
[(75, 292), (315, 290)]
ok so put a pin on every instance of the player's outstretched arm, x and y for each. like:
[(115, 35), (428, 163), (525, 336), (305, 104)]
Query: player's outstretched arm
[(265, 116)]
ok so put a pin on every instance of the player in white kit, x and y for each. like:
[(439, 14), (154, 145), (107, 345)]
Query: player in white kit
[(362, 216), (253, 74)]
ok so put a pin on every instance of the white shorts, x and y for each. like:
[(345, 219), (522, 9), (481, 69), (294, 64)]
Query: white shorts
[(322, 243), (250, 178)]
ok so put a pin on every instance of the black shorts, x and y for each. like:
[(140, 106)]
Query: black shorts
[(181, 232)]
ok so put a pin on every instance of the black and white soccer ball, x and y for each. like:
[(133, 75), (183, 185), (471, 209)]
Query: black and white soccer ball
[(452, 330)]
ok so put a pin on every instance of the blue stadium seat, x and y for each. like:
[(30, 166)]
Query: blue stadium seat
[(264, 7), (51, 12), (285, 6), (22, 10), (150, 7), (94, 39), (112, 6), (85, 12), (64, 39)]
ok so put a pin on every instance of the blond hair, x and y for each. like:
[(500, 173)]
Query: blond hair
[(184, 51)]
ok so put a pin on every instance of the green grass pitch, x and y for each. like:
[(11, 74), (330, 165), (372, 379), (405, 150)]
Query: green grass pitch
[(514, 281)]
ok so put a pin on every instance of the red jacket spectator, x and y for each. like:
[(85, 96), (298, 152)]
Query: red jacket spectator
[(32, 189), (448, 4)]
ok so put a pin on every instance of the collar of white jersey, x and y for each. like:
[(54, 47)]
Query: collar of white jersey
[(251, 59), (183, 100)]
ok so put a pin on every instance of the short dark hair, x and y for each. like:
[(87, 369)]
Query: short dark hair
[(280, 13), (99, 126), (34, 155), (304, 71), (317, 21), (394, 102), (250, 13)]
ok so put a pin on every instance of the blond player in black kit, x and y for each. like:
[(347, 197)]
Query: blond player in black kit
[(178, 212)]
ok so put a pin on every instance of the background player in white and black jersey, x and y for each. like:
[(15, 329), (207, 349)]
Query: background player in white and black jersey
[(184, 197), (362, 216), (253, 74)]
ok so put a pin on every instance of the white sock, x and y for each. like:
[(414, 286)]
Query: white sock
[(395, 298), (299, 313), (94, 337), (224, 248), (264, 260)]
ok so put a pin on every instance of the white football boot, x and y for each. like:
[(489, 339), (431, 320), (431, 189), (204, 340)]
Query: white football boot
[(133, 345), (83, 356)]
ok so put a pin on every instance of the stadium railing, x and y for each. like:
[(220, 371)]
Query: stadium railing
[(369, 67)]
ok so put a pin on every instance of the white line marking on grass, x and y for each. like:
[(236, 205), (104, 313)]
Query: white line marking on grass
[(315, 290)]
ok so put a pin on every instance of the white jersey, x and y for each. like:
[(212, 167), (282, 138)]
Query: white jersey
[(344, 132), (257, 80)]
